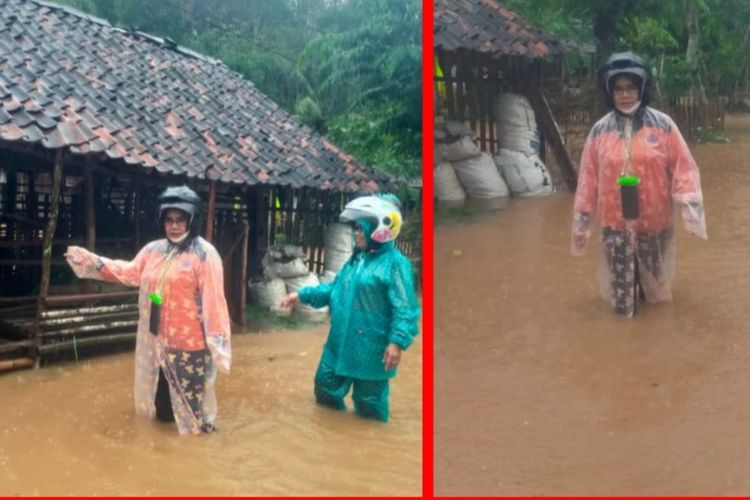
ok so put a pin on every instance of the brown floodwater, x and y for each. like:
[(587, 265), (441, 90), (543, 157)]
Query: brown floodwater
[(70, 429), (541, 390)]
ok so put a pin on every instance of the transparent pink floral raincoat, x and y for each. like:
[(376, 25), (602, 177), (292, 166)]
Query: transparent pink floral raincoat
[(193, 338), (649, 146)]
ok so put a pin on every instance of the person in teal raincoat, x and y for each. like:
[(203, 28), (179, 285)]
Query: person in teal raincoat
[(374, 311)]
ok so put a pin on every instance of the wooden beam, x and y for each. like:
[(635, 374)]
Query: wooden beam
[(86, 342), (47, 246), (58, 242), (88, 186), (552, 133), (289, 210), (243, 273), (88, 179), (227, 258), (297, 214), (15, 364), (138, 189), (211, 209), (59, 300)]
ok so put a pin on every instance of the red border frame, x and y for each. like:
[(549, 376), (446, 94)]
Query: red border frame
[(427, 250)]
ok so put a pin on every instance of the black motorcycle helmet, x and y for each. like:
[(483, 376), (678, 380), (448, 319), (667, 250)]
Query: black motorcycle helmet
[(186, 200), (625, 63)]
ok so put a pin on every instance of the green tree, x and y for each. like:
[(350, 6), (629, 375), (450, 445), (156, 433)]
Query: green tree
[(699, 46), (363, 71)]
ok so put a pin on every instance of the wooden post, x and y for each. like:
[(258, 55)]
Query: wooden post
[(210, 214), (10, 205), (251, 205), (273, 194), (90, 209), (47, 249), (243, 273), (484, 108), (137, 209), (289, 211), (298, 216), (32, 204), (263, 231), (324, 203), (89, 188), (552, 132)]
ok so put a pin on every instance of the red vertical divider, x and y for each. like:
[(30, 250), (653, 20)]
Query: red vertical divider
[(428, 58)]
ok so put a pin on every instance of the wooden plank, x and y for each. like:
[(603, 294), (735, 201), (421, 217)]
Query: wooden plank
[(85, 342), (31, 262), (90, 310), (482, 107), (138, 189), (52, 326), (320, 224), (243, 273), (58, 242), (31, 205), (15, 364), (288, 211), (272, 200), (59, 300), (20, 298), (469, 84), (296, 227), (462, 114), (446, 64), (89, 187), (543, 112), (493, 89), (226, 259), (19, 345)]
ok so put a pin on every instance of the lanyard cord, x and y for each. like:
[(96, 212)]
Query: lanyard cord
[(170, 257), (626, 168)]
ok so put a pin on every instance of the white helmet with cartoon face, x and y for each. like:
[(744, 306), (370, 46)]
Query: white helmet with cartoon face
[(383, 212)]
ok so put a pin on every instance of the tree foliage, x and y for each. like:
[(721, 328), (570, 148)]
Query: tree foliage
[(717, 53), (347, 68)]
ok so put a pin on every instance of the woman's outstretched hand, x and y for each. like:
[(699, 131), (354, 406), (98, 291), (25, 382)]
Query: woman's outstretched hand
[(84, 264), (76, 255), (289, 301)]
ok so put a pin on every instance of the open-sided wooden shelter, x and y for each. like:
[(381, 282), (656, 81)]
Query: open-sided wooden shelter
[(95, 121), (481, 48)]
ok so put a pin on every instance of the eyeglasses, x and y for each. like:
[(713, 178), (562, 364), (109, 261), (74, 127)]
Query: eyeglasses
[(179, 221), (628, 89)]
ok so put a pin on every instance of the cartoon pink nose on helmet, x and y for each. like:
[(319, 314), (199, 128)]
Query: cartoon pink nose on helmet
[(384, 214)]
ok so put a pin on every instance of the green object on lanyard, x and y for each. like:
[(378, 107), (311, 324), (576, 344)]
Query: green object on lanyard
[(628, 180)]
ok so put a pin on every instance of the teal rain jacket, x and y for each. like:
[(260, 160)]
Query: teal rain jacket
[(372, 303)]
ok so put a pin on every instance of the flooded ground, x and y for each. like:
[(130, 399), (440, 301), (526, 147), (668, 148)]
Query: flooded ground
[(541, 390), (70, 429)]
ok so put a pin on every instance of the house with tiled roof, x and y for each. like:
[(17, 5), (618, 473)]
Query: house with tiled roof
[(483, 48), (95, 121)]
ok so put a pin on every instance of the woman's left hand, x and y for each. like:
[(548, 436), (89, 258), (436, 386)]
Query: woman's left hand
[(391, 356)]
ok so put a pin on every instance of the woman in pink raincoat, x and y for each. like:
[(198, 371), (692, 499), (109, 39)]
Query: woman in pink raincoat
[(184, 329), (636, 144)]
